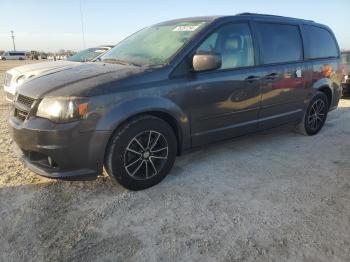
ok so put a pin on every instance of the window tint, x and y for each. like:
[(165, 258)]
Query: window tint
[(209, 43), (320, 42), (16, 54), (279, 43), (234, 43)]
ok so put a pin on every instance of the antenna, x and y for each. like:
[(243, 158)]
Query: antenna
[(82, 23), (13, 40)]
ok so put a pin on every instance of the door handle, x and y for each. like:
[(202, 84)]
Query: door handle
[(252, 79), (272, 76)]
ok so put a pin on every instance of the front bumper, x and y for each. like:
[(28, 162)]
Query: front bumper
[(10, 93), (59, 150)]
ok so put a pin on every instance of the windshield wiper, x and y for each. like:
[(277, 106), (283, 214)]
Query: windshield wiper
[(121, 62)]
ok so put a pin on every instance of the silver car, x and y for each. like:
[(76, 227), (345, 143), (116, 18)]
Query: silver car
[(18, 75)]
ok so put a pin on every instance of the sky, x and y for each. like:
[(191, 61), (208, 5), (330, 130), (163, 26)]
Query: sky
[(51, 25)]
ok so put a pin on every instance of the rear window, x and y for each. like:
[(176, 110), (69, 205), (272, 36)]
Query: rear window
[(279, 43), (321, 43)]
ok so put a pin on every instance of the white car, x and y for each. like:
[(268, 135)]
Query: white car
[(18, 75), (14, 55), (90, 54)]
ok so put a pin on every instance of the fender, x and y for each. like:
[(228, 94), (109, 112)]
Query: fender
[(127, 109), (334, 92), (324, 82)]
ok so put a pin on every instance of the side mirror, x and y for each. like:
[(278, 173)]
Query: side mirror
[(206, 61)]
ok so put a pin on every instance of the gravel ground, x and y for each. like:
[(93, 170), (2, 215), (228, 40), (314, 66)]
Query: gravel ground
[(272, 196)]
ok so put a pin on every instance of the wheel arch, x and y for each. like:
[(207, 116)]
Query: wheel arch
[(324, 85), (328, 92), (158, 107)]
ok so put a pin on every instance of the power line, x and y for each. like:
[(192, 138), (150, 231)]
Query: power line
[(82, 23)]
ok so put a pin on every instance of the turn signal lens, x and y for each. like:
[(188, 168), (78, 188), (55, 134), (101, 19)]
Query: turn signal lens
[(82, 109)]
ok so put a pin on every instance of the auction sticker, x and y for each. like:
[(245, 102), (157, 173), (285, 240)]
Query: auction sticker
[(186, 28)]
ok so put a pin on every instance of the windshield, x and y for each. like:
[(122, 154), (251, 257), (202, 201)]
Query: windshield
[(154, 45), (87, 54), (345, 57)]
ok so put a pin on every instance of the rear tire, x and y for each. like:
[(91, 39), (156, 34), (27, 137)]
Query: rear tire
[(141, 152), (315, 115)]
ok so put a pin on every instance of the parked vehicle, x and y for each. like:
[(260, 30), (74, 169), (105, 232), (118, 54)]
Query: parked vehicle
[(14, 55), (34, 55), (90, 54), (18, 75), (191, 82), (345, 59)]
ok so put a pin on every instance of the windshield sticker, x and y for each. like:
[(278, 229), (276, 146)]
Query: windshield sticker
[(186, 28)]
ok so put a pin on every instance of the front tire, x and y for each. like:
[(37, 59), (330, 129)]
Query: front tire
[(141, 153), (315, 115)]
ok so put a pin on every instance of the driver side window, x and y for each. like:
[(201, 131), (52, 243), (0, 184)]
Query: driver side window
[(234, 43)]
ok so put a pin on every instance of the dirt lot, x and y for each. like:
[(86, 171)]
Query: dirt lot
[(272, 196)]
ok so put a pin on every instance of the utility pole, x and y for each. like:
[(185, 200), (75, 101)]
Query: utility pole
[(13, 41), (82, 23)]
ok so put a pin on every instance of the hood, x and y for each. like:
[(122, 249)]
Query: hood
[(28, 72), (78, 80), (35, 69)]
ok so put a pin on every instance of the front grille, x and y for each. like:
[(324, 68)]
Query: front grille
[(21, 114), (25, 100), (23, 105), (7, 79)]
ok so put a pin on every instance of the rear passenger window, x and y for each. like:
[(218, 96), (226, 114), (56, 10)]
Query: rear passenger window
[(320, 42), (279, 43)]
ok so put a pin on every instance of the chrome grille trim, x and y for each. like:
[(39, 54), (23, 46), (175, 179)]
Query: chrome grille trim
[(21, 114), (23, 106), (25, 100)]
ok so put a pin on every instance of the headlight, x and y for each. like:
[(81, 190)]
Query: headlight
[(63, 109)]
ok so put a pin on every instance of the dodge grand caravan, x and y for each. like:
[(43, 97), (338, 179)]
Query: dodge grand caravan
[(174, 86)]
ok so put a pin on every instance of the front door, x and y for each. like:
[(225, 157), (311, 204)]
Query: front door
[(225, 102)]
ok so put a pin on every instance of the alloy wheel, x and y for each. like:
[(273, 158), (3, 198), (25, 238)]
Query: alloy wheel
[(317, 114), (146, 155)]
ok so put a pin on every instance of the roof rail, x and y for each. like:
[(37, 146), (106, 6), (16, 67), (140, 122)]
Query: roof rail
[(272, 16)]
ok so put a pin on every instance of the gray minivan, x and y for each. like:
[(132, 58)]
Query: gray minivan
[(175, 86)]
